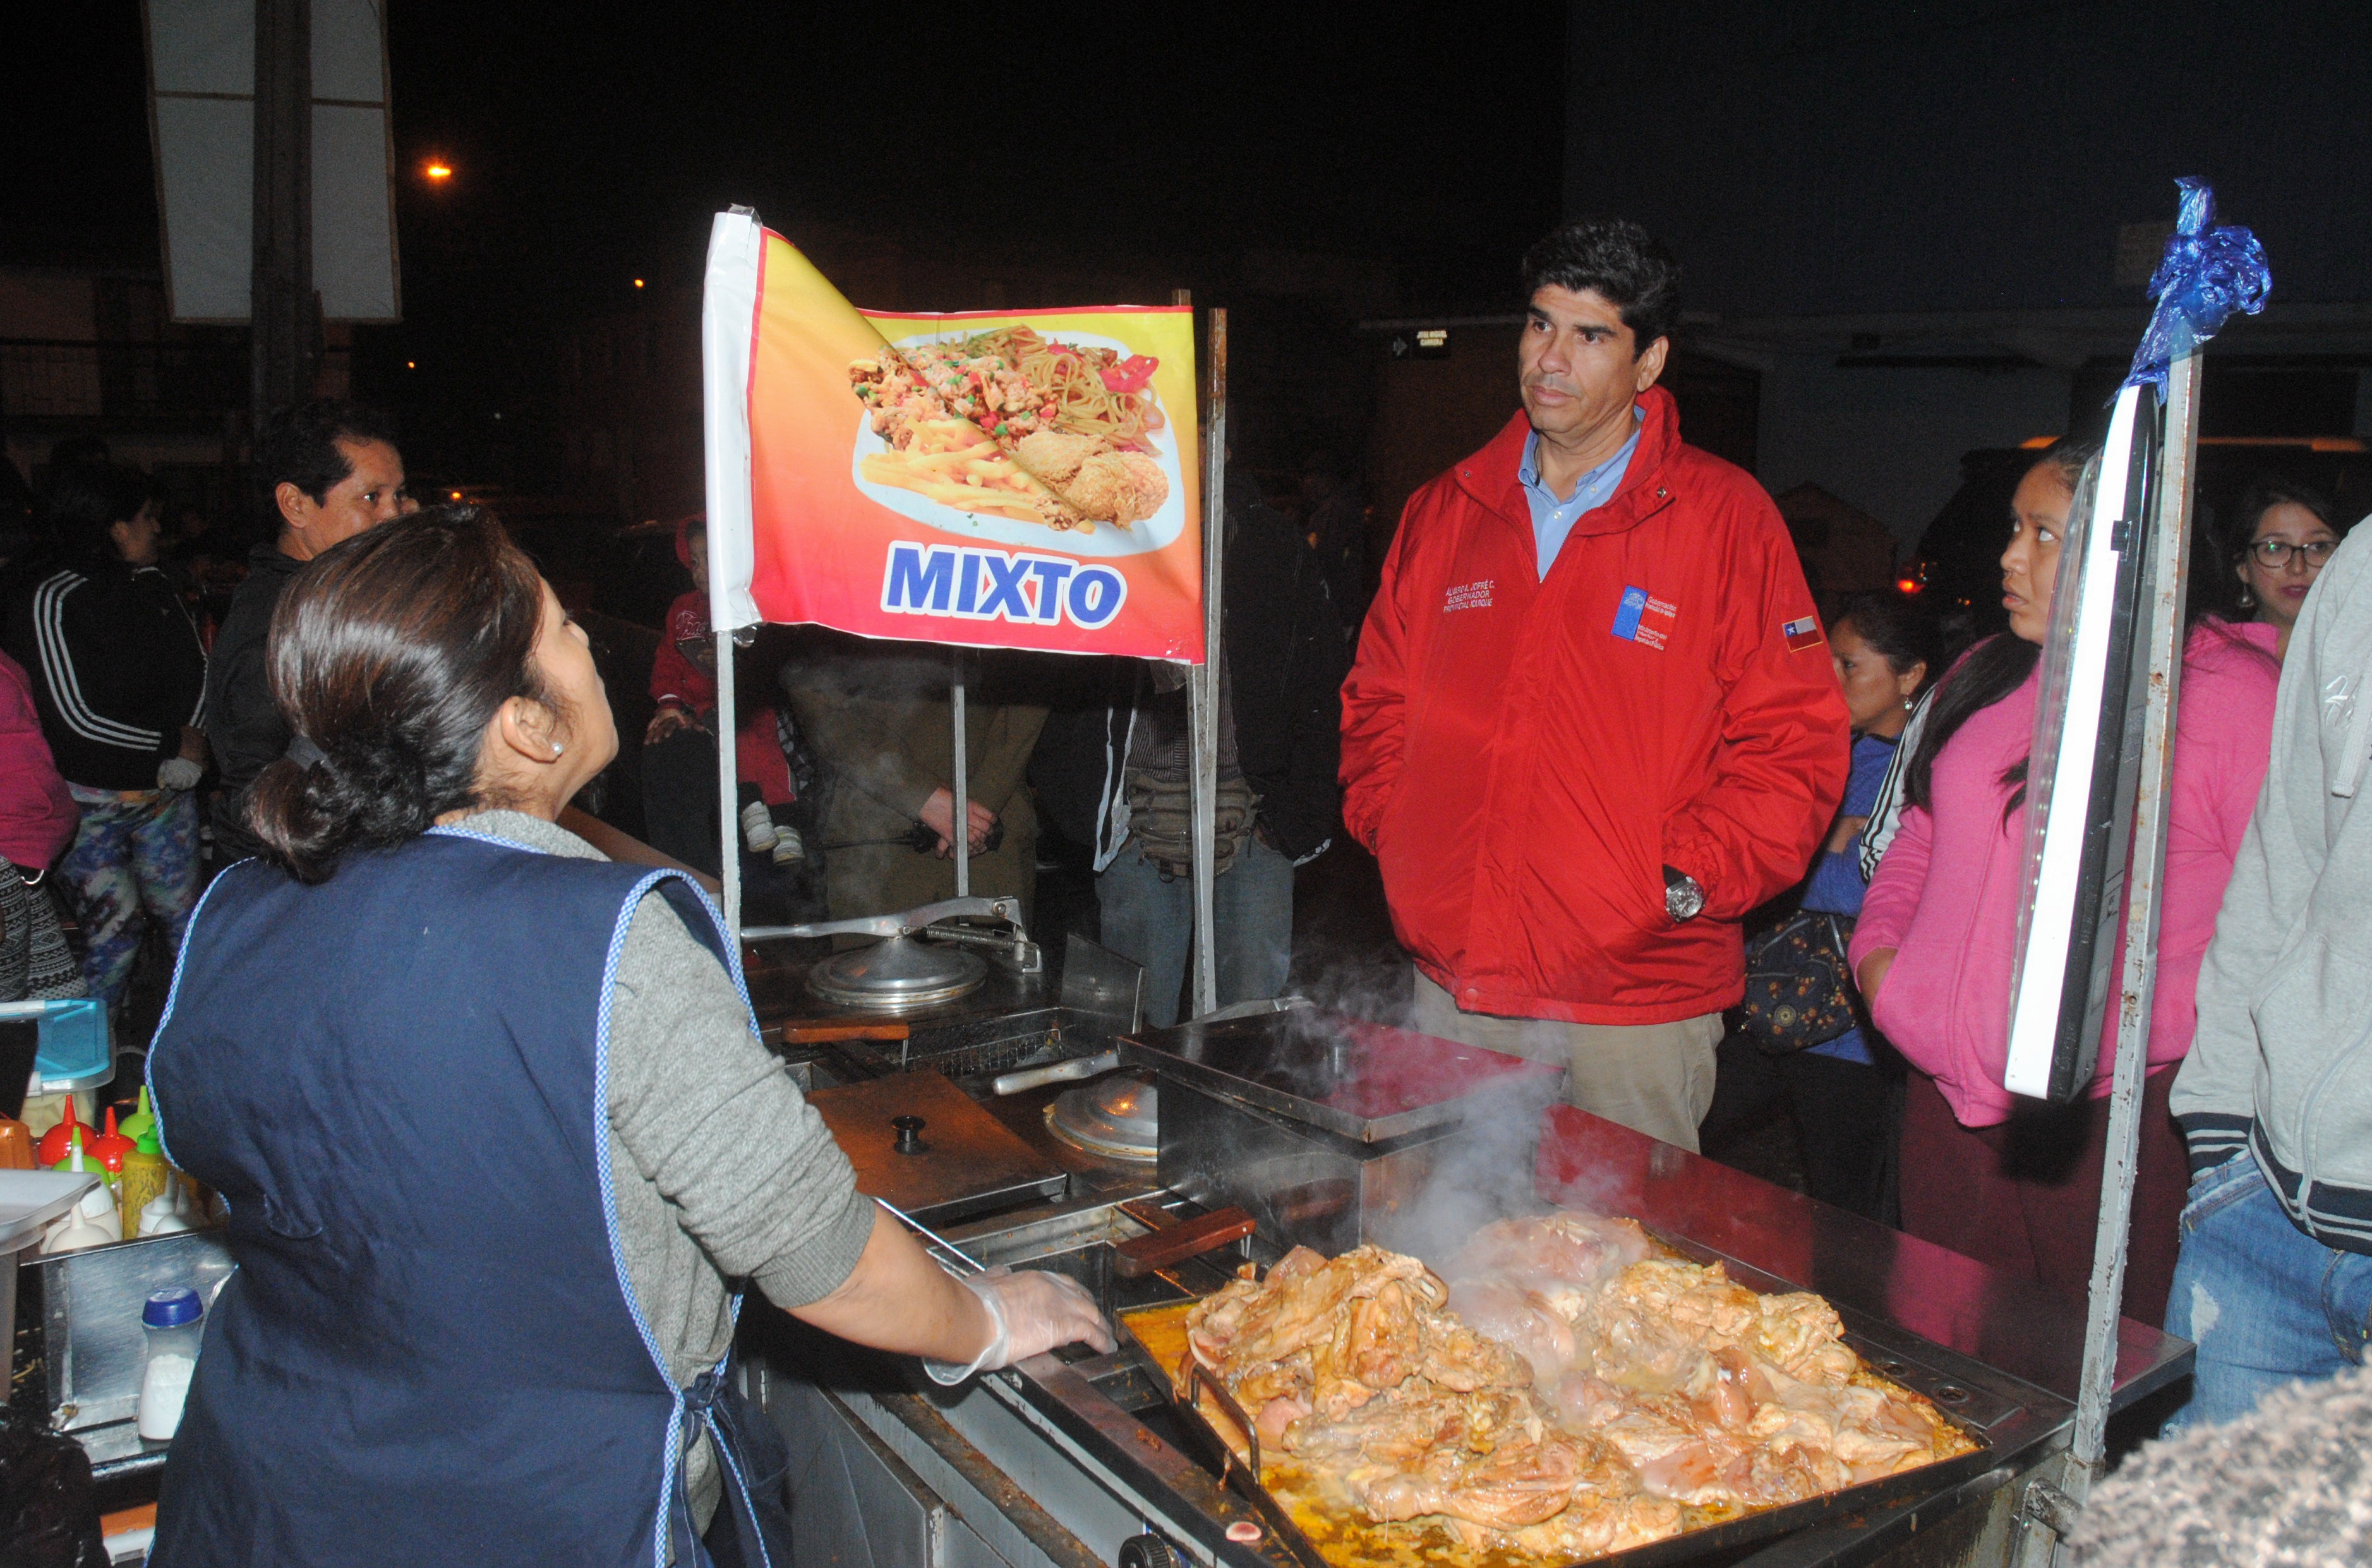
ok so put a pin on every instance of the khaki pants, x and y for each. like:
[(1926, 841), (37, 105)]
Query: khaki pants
[(1655, 1078)]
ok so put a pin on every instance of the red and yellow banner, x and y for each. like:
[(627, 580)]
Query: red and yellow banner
[(996, 479)]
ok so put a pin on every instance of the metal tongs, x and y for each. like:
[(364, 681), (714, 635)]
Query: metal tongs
[(1012, 947)]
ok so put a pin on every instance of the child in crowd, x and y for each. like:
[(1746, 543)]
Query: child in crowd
[(683, 683)]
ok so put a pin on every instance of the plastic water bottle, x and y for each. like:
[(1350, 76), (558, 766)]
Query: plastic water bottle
[(175, 1320)]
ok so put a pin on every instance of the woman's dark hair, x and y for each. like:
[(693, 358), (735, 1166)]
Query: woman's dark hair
[(85, 499), (1992, 669), (390, 655), (1900, 629), (1618, 260), (2262, 496)]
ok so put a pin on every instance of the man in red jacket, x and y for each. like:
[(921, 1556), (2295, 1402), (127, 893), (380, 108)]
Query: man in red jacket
[(1592, 721)]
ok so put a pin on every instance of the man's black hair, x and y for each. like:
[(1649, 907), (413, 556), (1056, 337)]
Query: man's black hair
[(1619, 261), (300, 446)]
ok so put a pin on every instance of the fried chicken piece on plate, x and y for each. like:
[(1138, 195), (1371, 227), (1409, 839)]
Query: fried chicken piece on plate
[(1120, 487), (1054, 456)]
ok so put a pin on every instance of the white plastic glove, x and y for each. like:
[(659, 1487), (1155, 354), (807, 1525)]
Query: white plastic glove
[(179, 772), (1031, 1313)]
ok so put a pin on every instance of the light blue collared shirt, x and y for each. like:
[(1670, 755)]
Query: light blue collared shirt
[(1552, 519)]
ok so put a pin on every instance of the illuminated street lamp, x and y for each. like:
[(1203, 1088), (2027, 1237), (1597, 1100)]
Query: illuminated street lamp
[(438, 170)]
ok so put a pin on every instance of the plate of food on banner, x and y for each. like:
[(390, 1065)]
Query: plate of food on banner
[(1020, 438)]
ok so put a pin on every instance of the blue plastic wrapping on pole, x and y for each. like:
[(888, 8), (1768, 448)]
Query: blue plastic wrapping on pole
[(2207, 273)]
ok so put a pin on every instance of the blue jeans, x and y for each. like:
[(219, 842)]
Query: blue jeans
[(2266, 1304), (1152, 922)]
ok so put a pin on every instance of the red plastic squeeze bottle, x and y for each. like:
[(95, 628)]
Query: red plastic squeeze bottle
[(58, 1142), (109, 1147)]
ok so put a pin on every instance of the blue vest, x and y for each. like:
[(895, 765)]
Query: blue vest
[(430, 1351)]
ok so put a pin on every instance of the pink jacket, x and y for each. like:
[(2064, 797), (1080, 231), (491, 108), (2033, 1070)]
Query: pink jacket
[(37, 815), (1945, 1004)]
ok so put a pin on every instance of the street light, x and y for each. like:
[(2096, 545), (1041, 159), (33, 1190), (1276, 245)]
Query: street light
[(638, 283), (438, 170)]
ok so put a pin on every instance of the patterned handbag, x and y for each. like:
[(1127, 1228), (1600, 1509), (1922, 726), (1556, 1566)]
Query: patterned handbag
[(1799, 989)]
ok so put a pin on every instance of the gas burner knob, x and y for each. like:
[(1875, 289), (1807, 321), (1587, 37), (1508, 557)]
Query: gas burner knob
[(910, 1135), (1148, 1550)]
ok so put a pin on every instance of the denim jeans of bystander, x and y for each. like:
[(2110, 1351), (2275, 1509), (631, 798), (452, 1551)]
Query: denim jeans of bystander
[(1152, 922), (2266, 1304)]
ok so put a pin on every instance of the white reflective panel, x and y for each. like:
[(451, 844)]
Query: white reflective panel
[(354, 233), (202, 46), (205, 174), (348, 62)]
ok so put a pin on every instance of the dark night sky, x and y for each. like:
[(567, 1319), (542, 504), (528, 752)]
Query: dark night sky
[(592, 143)]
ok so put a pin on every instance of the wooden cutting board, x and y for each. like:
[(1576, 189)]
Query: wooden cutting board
[(971, 1164)]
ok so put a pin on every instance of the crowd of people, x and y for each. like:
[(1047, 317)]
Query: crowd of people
[(1596, 727), (1639, 810)]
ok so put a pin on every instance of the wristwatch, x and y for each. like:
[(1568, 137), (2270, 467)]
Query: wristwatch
[(1683, 900)]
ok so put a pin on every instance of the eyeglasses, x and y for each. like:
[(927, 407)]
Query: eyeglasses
[(2276, 552)]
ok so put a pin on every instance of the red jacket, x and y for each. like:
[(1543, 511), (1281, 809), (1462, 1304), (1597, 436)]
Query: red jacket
[(1524, 771)]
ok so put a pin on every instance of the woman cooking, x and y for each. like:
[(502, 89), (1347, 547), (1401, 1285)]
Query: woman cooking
[(494, 1124)]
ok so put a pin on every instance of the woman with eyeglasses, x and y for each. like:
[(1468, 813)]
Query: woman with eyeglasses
[(2283, 535)]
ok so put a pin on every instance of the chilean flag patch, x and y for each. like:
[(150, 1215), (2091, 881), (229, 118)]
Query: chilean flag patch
[(1802, 632)]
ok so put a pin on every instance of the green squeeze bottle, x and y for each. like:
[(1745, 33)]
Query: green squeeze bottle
[(140, 1120)]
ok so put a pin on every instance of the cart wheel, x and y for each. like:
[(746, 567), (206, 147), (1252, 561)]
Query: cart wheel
[(1148, 1550)]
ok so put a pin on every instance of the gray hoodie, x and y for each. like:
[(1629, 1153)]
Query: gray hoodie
[(2281, 1065)]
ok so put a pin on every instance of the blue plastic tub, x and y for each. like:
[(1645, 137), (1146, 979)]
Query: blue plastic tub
[(76, 1052)]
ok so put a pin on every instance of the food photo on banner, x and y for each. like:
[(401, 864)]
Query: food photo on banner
[(992, 479)]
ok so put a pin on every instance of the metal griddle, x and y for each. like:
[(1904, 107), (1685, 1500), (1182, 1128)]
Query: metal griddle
[(1688, 1545), (1359, 1080)]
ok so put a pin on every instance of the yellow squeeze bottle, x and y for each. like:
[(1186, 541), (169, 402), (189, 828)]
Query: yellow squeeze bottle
[(143, 1179)]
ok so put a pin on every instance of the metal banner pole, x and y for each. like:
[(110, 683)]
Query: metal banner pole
[(962, 819), (1204, 686), (729, 787), (282, 319), (2048, 1513)]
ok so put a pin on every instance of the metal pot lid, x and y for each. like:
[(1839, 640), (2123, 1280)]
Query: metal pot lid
[(898, 974), (1118, 1117)]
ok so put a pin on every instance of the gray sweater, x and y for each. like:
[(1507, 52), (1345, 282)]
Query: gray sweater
[(2282, 1062), (723, 1171)]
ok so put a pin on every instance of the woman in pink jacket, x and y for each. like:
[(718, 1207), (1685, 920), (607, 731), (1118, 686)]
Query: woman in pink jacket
[(37, 822), (2016, 1183)]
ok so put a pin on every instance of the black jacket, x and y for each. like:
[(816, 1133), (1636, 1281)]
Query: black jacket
[(1286, 663), (1286, 666), (243, 725), (117, 671)]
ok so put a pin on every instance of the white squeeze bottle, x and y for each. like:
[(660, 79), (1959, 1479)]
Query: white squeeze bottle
[(175, 1320), (168, 1212)]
